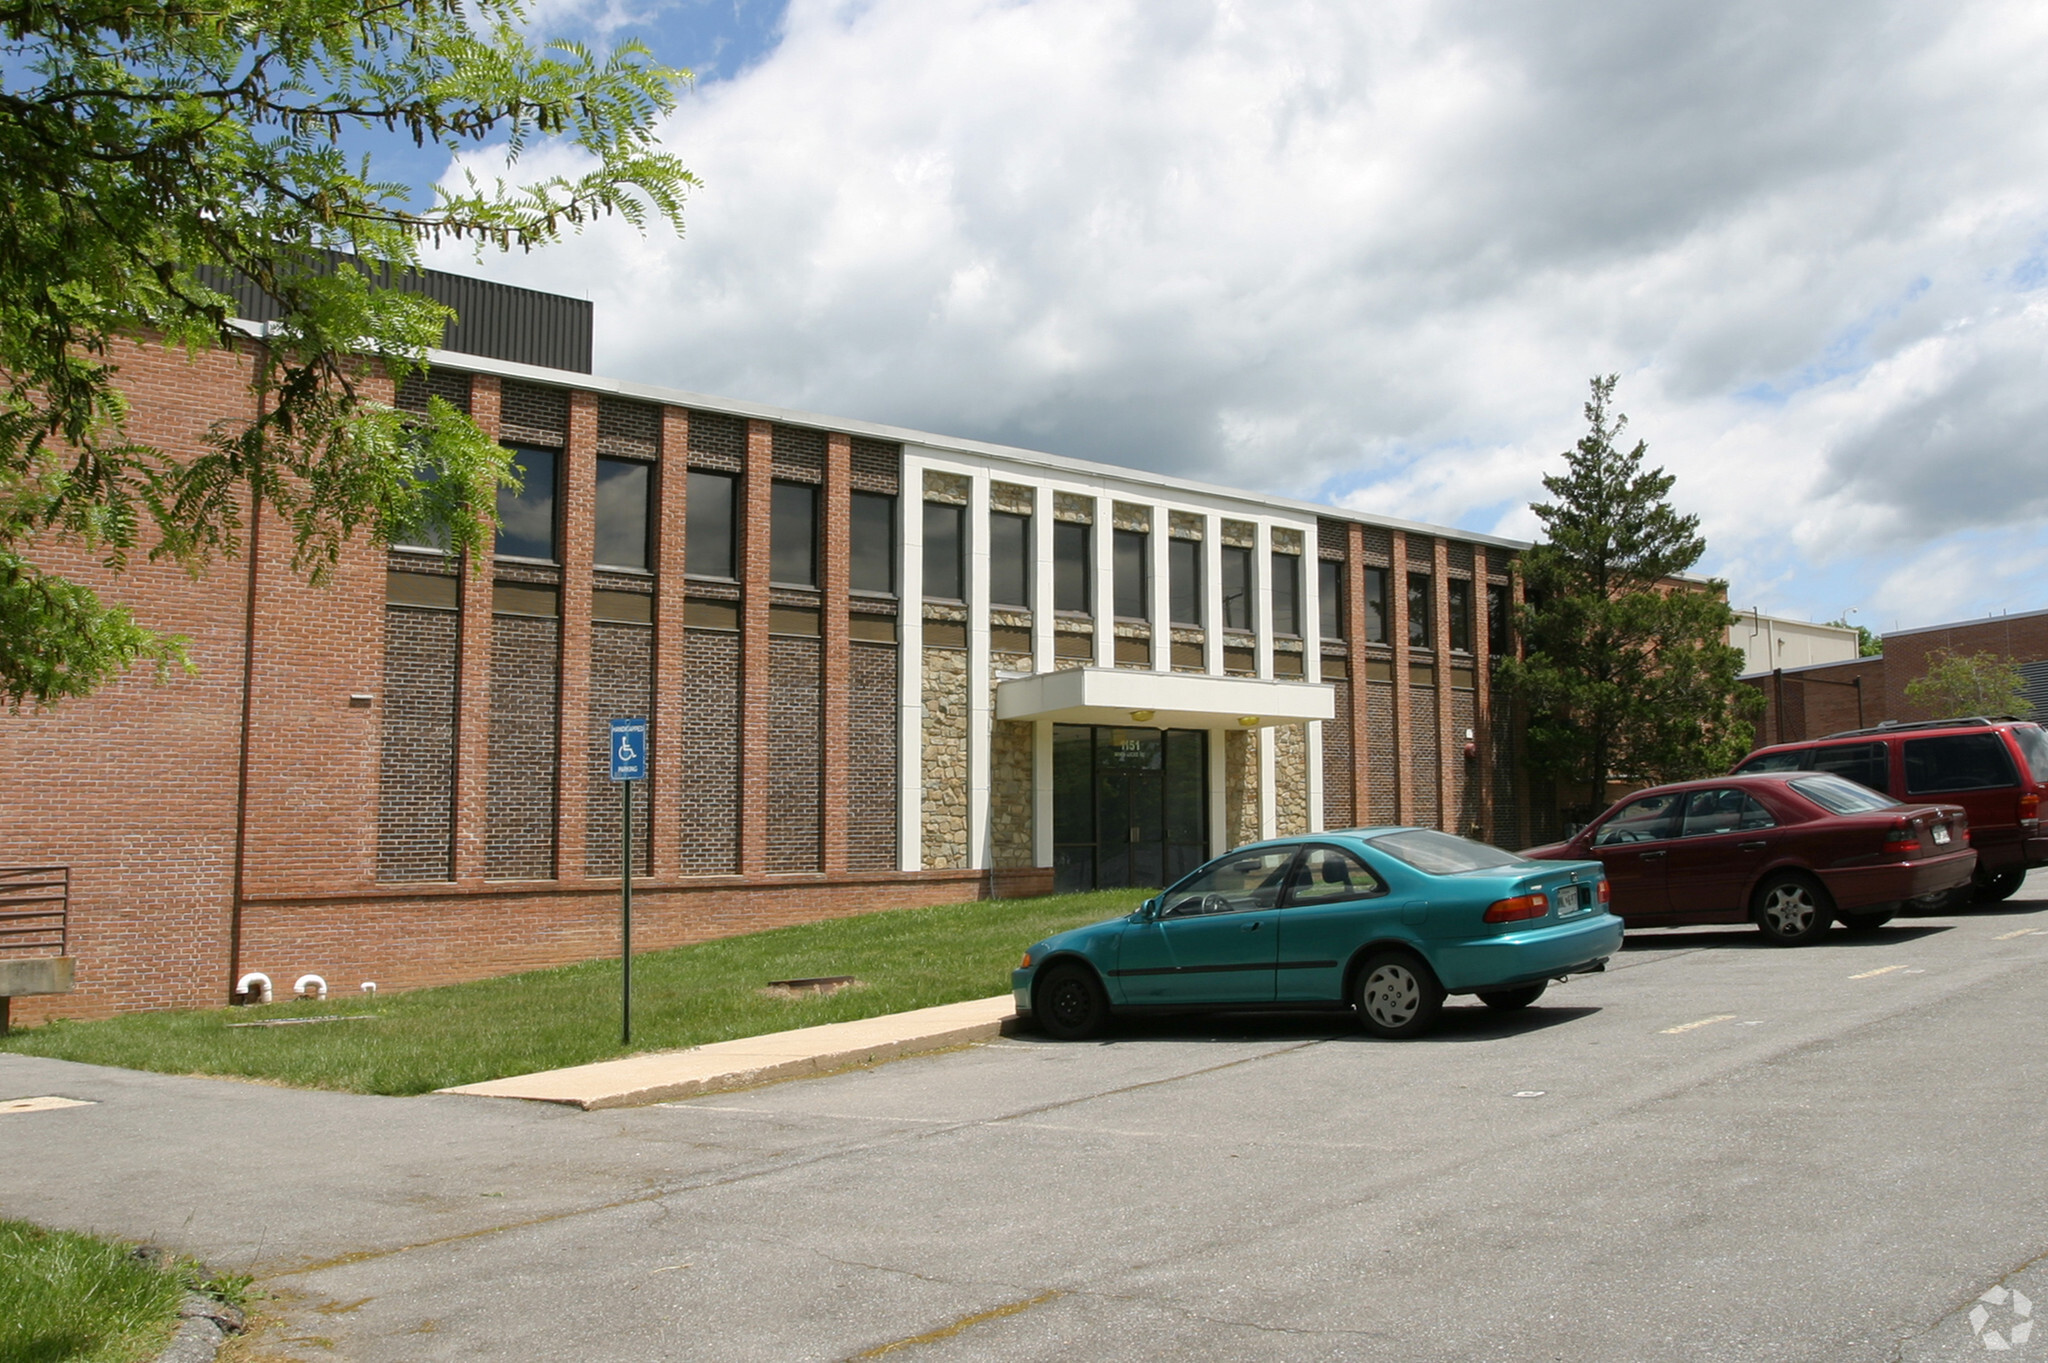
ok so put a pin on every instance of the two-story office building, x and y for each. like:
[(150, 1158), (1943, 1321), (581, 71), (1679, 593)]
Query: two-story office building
[(881, 667)]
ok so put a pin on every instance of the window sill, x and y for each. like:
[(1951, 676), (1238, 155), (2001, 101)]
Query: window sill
[(529, 562), (621, 569)]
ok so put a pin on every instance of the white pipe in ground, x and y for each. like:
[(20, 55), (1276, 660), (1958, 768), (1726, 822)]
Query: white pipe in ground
[(252, 979), (310, 987)]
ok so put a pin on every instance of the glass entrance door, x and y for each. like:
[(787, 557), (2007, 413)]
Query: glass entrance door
[(1130, 806)]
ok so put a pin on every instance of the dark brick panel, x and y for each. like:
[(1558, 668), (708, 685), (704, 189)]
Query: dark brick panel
[(632, 429), (621, 666), (1338, 810), (1379, 725), (877, 466), (872, 712), (718, 441), (533, 415), (799, 454), (1464, 715), (1422, 756), (710, 758), (519, 817), (795, 751), (416, 766), (449, 386)]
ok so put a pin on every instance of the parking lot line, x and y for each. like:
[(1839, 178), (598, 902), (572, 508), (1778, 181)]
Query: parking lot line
[(1881, 970), (2008, 936), (1703, 1022)]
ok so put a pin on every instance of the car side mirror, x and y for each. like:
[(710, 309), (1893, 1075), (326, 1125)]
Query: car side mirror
[(1149, 909)]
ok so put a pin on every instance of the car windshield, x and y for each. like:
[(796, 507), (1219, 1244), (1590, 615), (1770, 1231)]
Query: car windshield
[(1441, 854), (2034, 745), (1839, 796)]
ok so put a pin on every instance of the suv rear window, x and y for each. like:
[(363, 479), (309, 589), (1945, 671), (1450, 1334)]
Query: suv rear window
[(2034, 747), (1867, 764), (1958, 762), (1792, 759)]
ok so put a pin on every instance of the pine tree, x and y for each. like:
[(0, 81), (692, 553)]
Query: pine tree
[(1626, 671)]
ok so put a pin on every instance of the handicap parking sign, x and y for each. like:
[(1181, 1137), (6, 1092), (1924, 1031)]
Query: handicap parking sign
[(629, 750)]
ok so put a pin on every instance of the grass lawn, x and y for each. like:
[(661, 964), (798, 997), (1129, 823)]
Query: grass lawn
[(461, 1034), (76, 1299)]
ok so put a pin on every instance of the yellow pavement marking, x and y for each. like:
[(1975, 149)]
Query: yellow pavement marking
[(2008, 936), (1881, 970), (964, 1323), (1703, 1022)]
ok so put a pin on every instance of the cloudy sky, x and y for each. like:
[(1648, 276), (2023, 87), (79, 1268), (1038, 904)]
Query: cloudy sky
[(1370, 253)]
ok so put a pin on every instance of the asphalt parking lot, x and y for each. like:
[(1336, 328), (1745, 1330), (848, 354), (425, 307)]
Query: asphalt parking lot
[(1718, 1150)]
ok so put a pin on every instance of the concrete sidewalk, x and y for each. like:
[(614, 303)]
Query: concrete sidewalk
[(664, 1076)]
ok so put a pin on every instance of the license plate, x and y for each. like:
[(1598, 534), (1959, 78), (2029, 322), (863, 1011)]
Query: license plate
[(1567, 900), (1941, 835)]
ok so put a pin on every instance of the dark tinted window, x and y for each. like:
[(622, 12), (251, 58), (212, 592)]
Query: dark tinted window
[(1133, 573), (1441, 854), (1723, 811), (622, 502), (1958, 762), (793, 534), (1789, 759), (1460, 594), (708, 541), (1184, 581), (2034, 747), (1009, 559), (526, 518), (1330, 597), (1834, 794), (873, 542), (1073, 585), (1286, 594), (1376, 605), (1496, 618), (1330, 875), (944, 568), (1418, 610), (1237, 587), (1867, 764), (1647, 818)]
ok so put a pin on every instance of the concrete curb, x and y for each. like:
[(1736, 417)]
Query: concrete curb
[(664, 1076)]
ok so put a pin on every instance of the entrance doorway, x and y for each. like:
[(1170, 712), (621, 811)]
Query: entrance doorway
[(1130, 807)]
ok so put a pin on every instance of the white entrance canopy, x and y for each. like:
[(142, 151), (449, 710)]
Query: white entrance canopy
[(1163, 700)]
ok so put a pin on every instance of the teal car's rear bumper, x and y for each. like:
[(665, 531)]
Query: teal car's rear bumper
[(1515, 958)]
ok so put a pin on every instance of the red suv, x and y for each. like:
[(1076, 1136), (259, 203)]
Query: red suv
[(1996, 769)]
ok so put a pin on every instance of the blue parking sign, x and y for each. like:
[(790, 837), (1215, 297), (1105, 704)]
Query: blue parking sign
[(629, 750)]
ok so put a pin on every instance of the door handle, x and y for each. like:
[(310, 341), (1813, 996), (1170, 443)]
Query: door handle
[(1652, 856), (1252, 926), (1756, 846)]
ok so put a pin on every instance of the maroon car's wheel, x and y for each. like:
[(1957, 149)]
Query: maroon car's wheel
[(1398, 996), (1792, 910), (1070, 1004)]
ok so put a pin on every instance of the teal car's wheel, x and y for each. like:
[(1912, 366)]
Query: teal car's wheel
[(1792, 910), (1508, 1000), (1070, 1003), (1398, 996)]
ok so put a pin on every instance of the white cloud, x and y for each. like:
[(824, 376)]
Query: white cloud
[(1373, 253)]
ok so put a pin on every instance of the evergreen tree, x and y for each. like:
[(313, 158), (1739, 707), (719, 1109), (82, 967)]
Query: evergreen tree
[(1624, 672)]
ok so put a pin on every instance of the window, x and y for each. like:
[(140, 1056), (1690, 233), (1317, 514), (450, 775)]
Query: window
[(432, 532), (1442, 854), (1792, 759), (793, 534), (1708, 812), (945, 565), (1376, 605), (708, 542), (622, 503), (1237, 587), (1460, 592), (1497, 619), (1330, 597), (1330, 875), (1287, 594), (1418, 610), (1837, 796), (1649, 819), (1009, 559), (1958, 762), (872, 542), (526, 518), (1184, 582), (1133, 573), (1867, 764), (1073, 584), (1233, 885)]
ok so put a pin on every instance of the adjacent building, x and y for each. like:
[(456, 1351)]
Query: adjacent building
[(881, 667)]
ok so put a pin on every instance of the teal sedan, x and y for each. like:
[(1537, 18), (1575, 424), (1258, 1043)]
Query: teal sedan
[(1386, 920)]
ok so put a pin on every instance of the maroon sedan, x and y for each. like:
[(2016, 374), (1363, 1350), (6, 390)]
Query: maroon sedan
[(1790, 851)]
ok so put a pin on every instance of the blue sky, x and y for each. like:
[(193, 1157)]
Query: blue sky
[(1372, 254)]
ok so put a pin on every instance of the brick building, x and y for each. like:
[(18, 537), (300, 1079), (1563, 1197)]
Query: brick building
[(1807, 702), (881, 668)]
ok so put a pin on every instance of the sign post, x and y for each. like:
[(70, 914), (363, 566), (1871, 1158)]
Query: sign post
[(629, 764)]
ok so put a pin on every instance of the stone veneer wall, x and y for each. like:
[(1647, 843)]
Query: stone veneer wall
[(1010, 802), (1290, 779), (945, 758), (1240, 787)]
